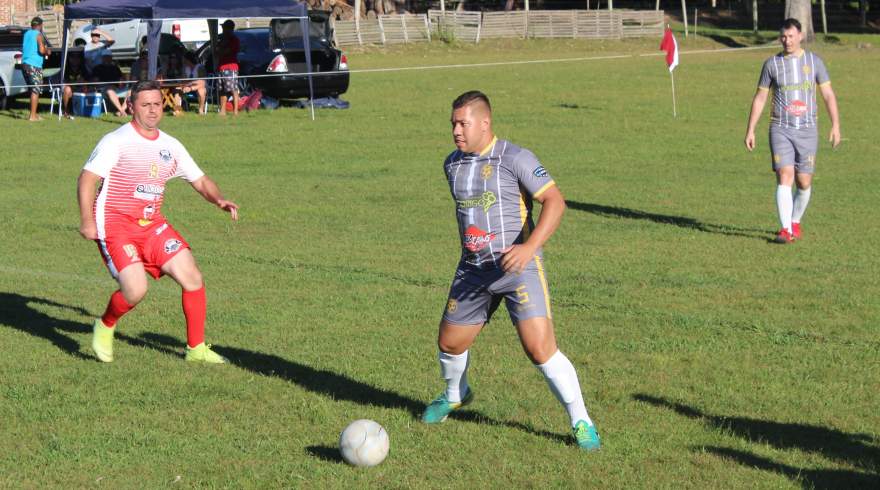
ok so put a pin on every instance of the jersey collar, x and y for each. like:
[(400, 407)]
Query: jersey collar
[(488, 147), (140, 131)]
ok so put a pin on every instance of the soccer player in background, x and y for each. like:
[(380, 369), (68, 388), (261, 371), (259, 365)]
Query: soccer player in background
[(793, 75), (493, 183), (133, 164)]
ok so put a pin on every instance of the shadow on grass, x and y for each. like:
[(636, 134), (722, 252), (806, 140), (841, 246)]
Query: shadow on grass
[(325, 453), (18, 312), (680, 221), (826, 479), (725, 40), (334, 385), (858, 450)]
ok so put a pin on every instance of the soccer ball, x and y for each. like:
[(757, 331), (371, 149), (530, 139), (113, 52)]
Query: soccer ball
[(364, 443)]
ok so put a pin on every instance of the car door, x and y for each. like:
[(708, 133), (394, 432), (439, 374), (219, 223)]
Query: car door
[(125, 34)]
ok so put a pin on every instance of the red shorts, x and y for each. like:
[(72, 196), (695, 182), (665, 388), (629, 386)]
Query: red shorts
[(153, 246)]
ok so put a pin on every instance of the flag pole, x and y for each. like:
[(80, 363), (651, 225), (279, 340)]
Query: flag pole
[(672, 77)]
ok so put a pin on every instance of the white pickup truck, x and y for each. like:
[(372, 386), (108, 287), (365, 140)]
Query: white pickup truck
[(131, 36)]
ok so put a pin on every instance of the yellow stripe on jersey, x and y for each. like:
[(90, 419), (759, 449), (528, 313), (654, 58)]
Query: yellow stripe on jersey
[(544, 285), (542, 189), (825, 83), (763, 88), (488, 148), (523, 217)]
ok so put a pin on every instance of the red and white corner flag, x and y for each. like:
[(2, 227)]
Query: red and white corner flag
[(670, 45)]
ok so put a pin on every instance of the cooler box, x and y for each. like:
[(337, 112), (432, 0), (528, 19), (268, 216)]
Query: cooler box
[(87, 105)]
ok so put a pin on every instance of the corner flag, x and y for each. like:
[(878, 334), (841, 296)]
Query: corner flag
[(670, 45)]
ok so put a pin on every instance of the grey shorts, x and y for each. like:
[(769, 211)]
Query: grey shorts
[(794, 147), (476, 293)]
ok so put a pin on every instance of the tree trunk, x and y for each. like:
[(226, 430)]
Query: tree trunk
[(802, 10), (755, 16), (824, 18), (684, 16), (509, 5), (863, 13)]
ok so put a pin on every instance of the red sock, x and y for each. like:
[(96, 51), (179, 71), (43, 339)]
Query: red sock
[(115, 309), (195, 309)]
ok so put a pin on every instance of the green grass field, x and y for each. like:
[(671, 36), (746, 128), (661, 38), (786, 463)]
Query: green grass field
[(709, 357)]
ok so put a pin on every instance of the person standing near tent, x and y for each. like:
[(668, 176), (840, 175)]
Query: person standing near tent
[(33, 50), (227, 54), (794, 74), (133, 165)]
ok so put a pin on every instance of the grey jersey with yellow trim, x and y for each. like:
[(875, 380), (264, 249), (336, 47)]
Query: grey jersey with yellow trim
[(493, 194), (794, 79)]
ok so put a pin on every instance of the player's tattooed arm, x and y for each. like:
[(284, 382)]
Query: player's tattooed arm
[(86, 189), (211, 192)]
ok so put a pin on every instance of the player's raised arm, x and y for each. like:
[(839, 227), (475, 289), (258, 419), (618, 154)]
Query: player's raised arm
[(754, 115), (86, 190), (211, 192)]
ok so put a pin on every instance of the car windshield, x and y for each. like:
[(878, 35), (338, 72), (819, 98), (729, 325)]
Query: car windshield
[(289, 32), (11, 39)]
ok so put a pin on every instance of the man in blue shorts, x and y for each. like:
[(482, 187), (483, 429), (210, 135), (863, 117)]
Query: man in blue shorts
[(793, 75), (493, 183)]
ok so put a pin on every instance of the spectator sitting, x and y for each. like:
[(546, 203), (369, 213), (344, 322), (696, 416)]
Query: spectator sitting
[(173, 72), (140, 69), (195, 72), (108, 72), (75, 72), (95, 48)]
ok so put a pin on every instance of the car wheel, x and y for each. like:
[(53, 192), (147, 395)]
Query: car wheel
[(3, 98)]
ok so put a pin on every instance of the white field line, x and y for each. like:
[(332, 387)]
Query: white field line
[(441, 67)]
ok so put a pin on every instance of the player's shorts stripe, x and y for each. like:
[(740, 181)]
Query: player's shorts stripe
[(106, 254), (546, 186), (524, 218), (544, 285)]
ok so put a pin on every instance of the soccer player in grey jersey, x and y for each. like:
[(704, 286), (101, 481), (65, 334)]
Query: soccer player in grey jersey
[(794, 74), (493, 183)]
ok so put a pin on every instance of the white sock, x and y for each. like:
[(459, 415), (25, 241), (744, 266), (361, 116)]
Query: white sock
[(784, 205), (801, 199), (453, 368), (563, 381)]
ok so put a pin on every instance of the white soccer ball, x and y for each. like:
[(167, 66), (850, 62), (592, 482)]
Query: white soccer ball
[(364, 443)]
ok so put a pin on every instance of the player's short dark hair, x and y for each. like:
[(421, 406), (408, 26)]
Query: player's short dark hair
[(36, 21), (469, 98), (143, 87), (791, 22)]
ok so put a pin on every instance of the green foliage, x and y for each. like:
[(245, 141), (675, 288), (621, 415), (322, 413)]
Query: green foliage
[(709, 357)]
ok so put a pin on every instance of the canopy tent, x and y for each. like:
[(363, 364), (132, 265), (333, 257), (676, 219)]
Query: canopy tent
[(155, 11)]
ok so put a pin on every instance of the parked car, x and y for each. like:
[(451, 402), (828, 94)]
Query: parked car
[(130, 36), (279, 50), (11, 78)]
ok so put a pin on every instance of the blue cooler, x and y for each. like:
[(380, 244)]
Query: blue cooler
[(87, 105)]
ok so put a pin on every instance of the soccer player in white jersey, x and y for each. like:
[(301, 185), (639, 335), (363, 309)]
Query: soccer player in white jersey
[(793, 75), (493, 183), (133, 164)]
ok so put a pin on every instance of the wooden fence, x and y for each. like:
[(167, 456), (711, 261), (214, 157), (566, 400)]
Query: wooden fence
[(473, 26), (385, 29)]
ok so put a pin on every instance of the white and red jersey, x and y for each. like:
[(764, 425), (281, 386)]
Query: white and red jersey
[(135, 170)]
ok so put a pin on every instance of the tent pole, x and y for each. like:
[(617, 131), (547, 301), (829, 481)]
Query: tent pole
[(66, 27), (212, 32), (308, 48)]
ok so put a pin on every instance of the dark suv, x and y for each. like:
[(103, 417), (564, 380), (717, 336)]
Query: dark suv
[(278, 51)]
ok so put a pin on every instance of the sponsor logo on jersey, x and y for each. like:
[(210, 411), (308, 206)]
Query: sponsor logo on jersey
[(805, 86), (451, 306), (797, 108), (540, 171), (486, 172), (172, 245), (149, 209), (148, 192), (154, 171), (162, 228), (165, 155), (131, 251), (484, 201), (476, 239)]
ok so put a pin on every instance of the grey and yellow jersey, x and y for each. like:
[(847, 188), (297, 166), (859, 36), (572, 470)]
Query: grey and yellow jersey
[(493, 193), (794, 79)]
